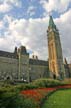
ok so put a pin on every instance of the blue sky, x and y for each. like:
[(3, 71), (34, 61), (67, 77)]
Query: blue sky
[(31, 6), (25, 22)]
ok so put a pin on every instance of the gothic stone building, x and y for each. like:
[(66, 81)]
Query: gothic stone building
[(18, 65)]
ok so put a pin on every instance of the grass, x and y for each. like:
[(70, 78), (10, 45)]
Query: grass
[(59, 99)]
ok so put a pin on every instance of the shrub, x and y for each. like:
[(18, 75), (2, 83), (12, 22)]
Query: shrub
[(39, 84), (47, 82), (10, 98), (30, 103), (26, 86)]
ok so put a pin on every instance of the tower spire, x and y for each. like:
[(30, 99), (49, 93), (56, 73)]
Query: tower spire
[(51, 22)]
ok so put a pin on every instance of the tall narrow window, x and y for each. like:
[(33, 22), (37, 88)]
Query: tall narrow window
[(52, 51), (53, 67)]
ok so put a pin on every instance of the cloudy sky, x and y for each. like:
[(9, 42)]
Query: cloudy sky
[(25, 22)]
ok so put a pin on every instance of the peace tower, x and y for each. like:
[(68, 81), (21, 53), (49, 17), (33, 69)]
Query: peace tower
[(56, 66)]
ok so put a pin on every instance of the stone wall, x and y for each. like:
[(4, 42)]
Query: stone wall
[(21, 69), (38, 71), (8, 68)]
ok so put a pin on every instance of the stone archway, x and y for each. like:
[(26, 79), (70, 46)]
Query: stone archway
[(8, 77)]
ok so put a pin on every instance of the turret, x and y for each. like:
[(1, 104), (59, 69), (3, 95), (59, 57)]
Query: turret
[(15, 51)]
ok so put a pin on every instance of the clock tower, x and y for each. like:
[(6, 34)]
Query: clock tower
[(56, 66)]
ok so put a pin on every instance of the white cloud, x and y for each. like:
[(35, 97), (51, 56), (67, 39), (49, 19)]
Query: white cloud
[(64, 25), (7, 5), (1, 24), (55, 5), (14, 2), (4, 7), (32, 33), (31, 10)]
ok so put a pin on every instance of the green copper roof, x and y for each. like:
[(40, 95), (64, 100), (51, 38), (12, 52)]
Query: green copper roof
[(51, 23)]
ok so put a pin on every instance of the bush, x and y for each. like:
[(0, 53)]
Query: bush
[(47, 82), (39, 84), (26, 86), (10, 98), (30, 103)]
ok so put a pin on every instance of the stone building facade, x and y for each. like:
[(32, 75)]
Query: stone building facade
[(18, 65), (67, 69)]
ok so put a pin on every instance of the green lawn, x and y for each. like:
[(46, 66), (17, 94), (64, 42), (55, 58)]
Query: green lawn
[(59, 99)]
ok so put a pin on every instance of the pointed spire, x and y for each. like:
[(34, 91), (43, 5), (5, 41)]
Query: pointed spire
[(65, 61), (51, 23), (15, 51)]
